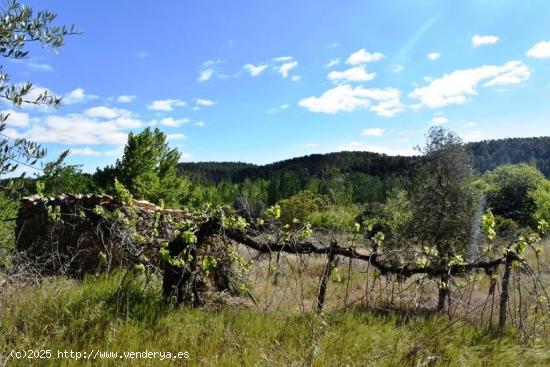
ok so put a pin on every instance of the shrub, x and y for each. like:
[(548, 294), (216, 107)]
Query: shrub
[(302, 204)]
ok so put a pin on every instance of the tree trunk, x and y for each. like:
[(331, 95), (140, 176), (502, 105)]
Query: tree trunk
[(504, 295), (443, 293), (324, 278)]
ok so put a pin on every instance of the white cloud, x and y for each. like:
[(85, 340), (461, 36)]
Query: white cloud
[(17, 119), (478, 40), (86, 152), (344, 98), (355, 74), (332, 45), (540, 51), (363, 56), (285, 68), (199, 124), (398, 68), (433, 56), (104, 112), (333, 62), (165, 104), (205, 75), (309, 145), (209, 69), (283, 58), (375, 131), (12, 133), (119, 116), (75, 129), (128, 122), (37, 66), (438, 121), (176, 136), (169, 121), (454, 88), (77, 95), (296, 78), (254, 70), (125, 98), (275, 110), (204, 102)]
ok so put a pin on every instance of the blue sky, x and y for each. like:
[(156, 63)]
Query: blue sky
[(260, 81)]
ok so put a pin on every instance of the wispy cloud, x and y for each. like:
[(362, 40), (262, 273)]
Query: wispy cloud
[(126, 98), (286, 66), (397, 68), (171, 122), (78, 95), (438, 121), (165, 104), (275, 110), (37, 66), (456, 87), (209, 69), (255, 70), (355, 74), (86, 152), (177, 136), (478, 40), (204, 102), (333, 62), (375, 131)]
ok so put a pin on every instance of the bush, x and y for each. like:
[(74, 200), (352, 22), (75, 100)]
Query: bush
[(335, 217), (519, 192), (301, 205)]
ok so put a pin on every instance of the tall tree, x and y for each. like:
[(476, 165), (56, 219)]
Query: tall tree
[(148, 168), (443, 199)]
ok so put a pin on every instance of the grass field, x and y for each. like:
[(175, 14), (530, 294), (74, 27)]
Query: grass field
[(104, 313)]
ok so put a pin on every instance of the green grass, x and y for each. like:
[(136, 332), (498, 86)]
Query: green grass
[(100, 313)]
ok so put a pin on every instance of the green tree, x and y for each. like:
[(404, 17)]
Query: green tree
[(519, 192), (61, 178), (19, 25), (302, 204), (149, 169), (443, 199)]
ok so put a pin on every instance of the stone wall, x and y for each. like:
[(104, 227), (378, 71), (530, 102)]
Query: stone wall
[(69, 234)]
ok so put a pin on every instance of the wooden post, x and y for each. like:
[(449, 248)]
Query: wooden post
[(504, 295), (443, 293), (325, 277)]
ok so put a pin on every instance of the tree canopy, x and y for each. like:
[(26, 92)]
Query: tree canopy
[(148, 169), (19, 25)]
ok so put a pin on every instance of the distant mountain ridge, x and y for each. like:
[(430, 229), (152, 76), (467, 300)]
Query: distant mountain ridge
[(487, 155)]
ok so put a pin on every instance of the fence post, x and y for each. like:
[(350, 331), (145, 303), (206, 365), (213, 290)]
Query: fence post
[(504, 295), (325, 277)]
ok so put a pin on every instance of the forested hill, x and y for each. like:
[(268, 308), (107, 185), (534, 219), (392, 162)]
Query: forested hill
[(486, 156)]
